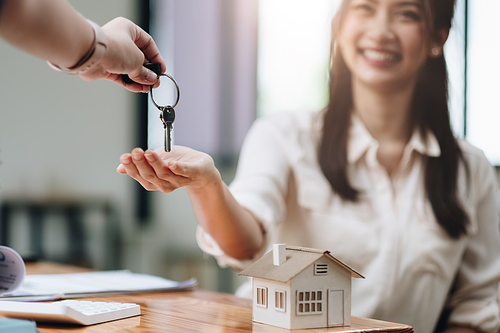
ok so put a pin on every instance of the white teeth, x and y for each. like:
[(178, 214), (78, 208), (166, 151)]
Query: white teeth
[(380, 56)]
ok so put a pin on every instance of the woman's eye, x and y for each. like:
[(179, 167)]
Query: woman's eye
[(364, 8), (410, 15)]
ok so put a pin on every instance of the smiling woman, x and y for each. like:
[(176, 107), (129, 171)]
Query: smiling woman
[(304, 47)]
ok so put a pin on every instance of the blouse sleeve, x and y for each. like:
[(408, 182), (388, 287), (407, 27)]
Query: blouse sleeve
[(260, 186), (474, 301)]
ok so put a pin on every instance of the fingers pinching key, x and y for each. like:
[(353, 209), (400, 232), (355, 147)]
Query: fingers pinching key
[(167, 116)]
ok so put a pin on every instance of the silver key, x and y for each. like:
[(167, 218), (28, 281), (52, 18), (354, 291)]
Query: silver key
[(167, 116)]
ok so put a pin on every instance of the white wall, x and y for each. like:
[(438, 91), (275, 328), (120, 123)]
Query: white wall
[(483, 116), (60, 135)]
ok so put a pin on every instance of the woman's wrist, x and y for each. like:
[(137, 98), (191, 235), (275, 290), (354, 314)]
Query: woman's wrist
[(213, 184), (92, 57)]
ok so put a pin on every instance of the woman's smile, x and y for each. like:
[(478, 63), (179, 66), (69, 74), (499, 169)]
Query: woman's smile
[(380, 58)]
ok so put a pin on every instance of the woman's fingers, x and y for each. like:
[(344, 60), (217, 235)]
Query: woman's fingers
[(138, 166), (165, 171), (121, 169), (143, 166), (159, 166), (158, 170), (128, 167)]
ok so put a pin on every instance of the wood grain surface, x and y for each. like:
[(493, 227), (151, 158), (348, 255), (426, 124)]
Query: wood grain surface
[(192, 311)]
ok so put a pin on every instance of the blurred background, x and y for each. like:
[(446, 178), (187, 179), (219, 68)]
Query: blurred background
[(61, 198)]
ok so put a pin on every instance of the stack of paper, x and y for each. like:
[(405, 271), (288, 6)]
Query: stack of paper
[(56, 286)]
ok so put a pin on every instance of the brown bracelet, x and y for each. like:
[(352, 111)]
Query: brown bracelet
[(89, 59)]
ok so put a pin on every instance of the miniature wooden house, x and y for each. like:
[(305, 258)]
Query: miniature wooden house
[(300, 288)]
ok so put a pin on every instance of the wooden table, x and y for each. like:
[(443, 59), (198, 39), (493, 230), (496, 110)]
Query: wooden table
[(193, 311)]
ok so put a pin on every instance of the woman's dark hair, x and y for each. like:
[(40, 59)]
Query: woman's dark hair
[(429, 112)]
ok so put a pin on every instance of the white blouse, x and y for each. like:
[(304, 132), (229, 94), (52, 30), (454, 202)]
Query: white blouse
[(391, 236)]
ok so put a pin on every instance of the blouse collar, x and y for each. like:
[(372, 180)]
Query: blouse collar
[(360, 142)]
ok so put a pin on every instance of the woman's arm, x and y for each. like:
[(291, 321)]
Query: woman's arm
[(235, 230)]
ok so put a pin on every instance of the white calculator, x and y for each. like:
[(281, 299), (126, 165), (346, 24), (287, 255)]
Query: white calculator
[(69, 311)]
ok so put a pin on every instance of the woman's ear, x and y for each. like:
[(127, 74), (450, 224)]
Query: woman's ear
[(437, 44)]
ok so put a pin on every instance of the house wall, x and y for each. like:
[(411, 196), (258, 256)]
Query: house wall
[(338, 278), (270, 315)]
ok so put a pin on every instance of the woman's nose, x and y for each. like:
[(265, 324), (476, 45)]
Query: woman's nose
[(380, 27)]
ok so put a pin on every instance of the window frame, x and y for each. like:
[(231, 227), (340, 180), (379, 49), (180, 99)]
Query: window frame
[(261, 298), (282, 301), (310, 301)]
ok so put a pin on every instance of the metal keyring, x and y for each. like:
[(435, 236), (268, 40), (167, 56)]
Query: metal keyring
[(177, 90)]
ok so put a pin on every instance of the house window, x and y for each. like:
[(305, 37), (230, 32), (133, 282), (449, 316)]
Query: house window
[(279, 300), (309, 302), (262, 297), (320, 268)]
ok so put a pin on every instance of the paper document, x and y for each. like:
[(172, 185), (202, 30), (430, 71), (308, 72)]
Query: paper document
[(93, 284)]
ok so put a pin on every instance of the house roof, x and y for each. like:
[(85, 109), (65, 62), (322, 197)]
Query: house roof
[(297, 259)]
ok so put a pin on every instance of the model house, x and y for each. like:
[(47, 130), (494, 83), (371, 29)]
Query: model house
[(299, 288)]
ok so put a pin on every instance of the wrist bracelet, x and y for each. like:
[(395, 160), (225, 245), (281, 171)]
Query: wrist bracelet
[(89, 59)]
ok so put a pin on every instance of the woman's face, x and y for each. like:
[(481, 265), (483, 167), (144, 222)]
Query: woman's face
[(384, 42)]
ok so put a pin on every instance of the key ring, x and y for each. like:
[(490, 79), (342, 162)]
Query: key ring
[(177, 91)]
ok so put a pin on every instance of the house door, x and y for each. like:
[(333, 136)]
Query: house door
[(335, 308)]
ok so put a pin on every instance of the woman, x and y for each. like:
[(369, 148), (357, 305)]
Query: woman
[(377, 178)]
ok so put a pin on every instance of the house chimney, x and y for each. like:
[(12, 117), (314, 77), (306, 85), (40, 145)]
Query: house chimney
[(279, 254)]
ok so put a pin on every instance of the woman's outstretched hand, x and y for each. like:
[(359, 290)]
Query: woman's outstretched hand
[(157, 170), (236, 231)]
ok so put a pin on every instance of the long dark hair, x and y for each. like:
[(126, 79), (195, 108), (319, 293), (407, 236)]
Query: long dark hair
[(429, 112)]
